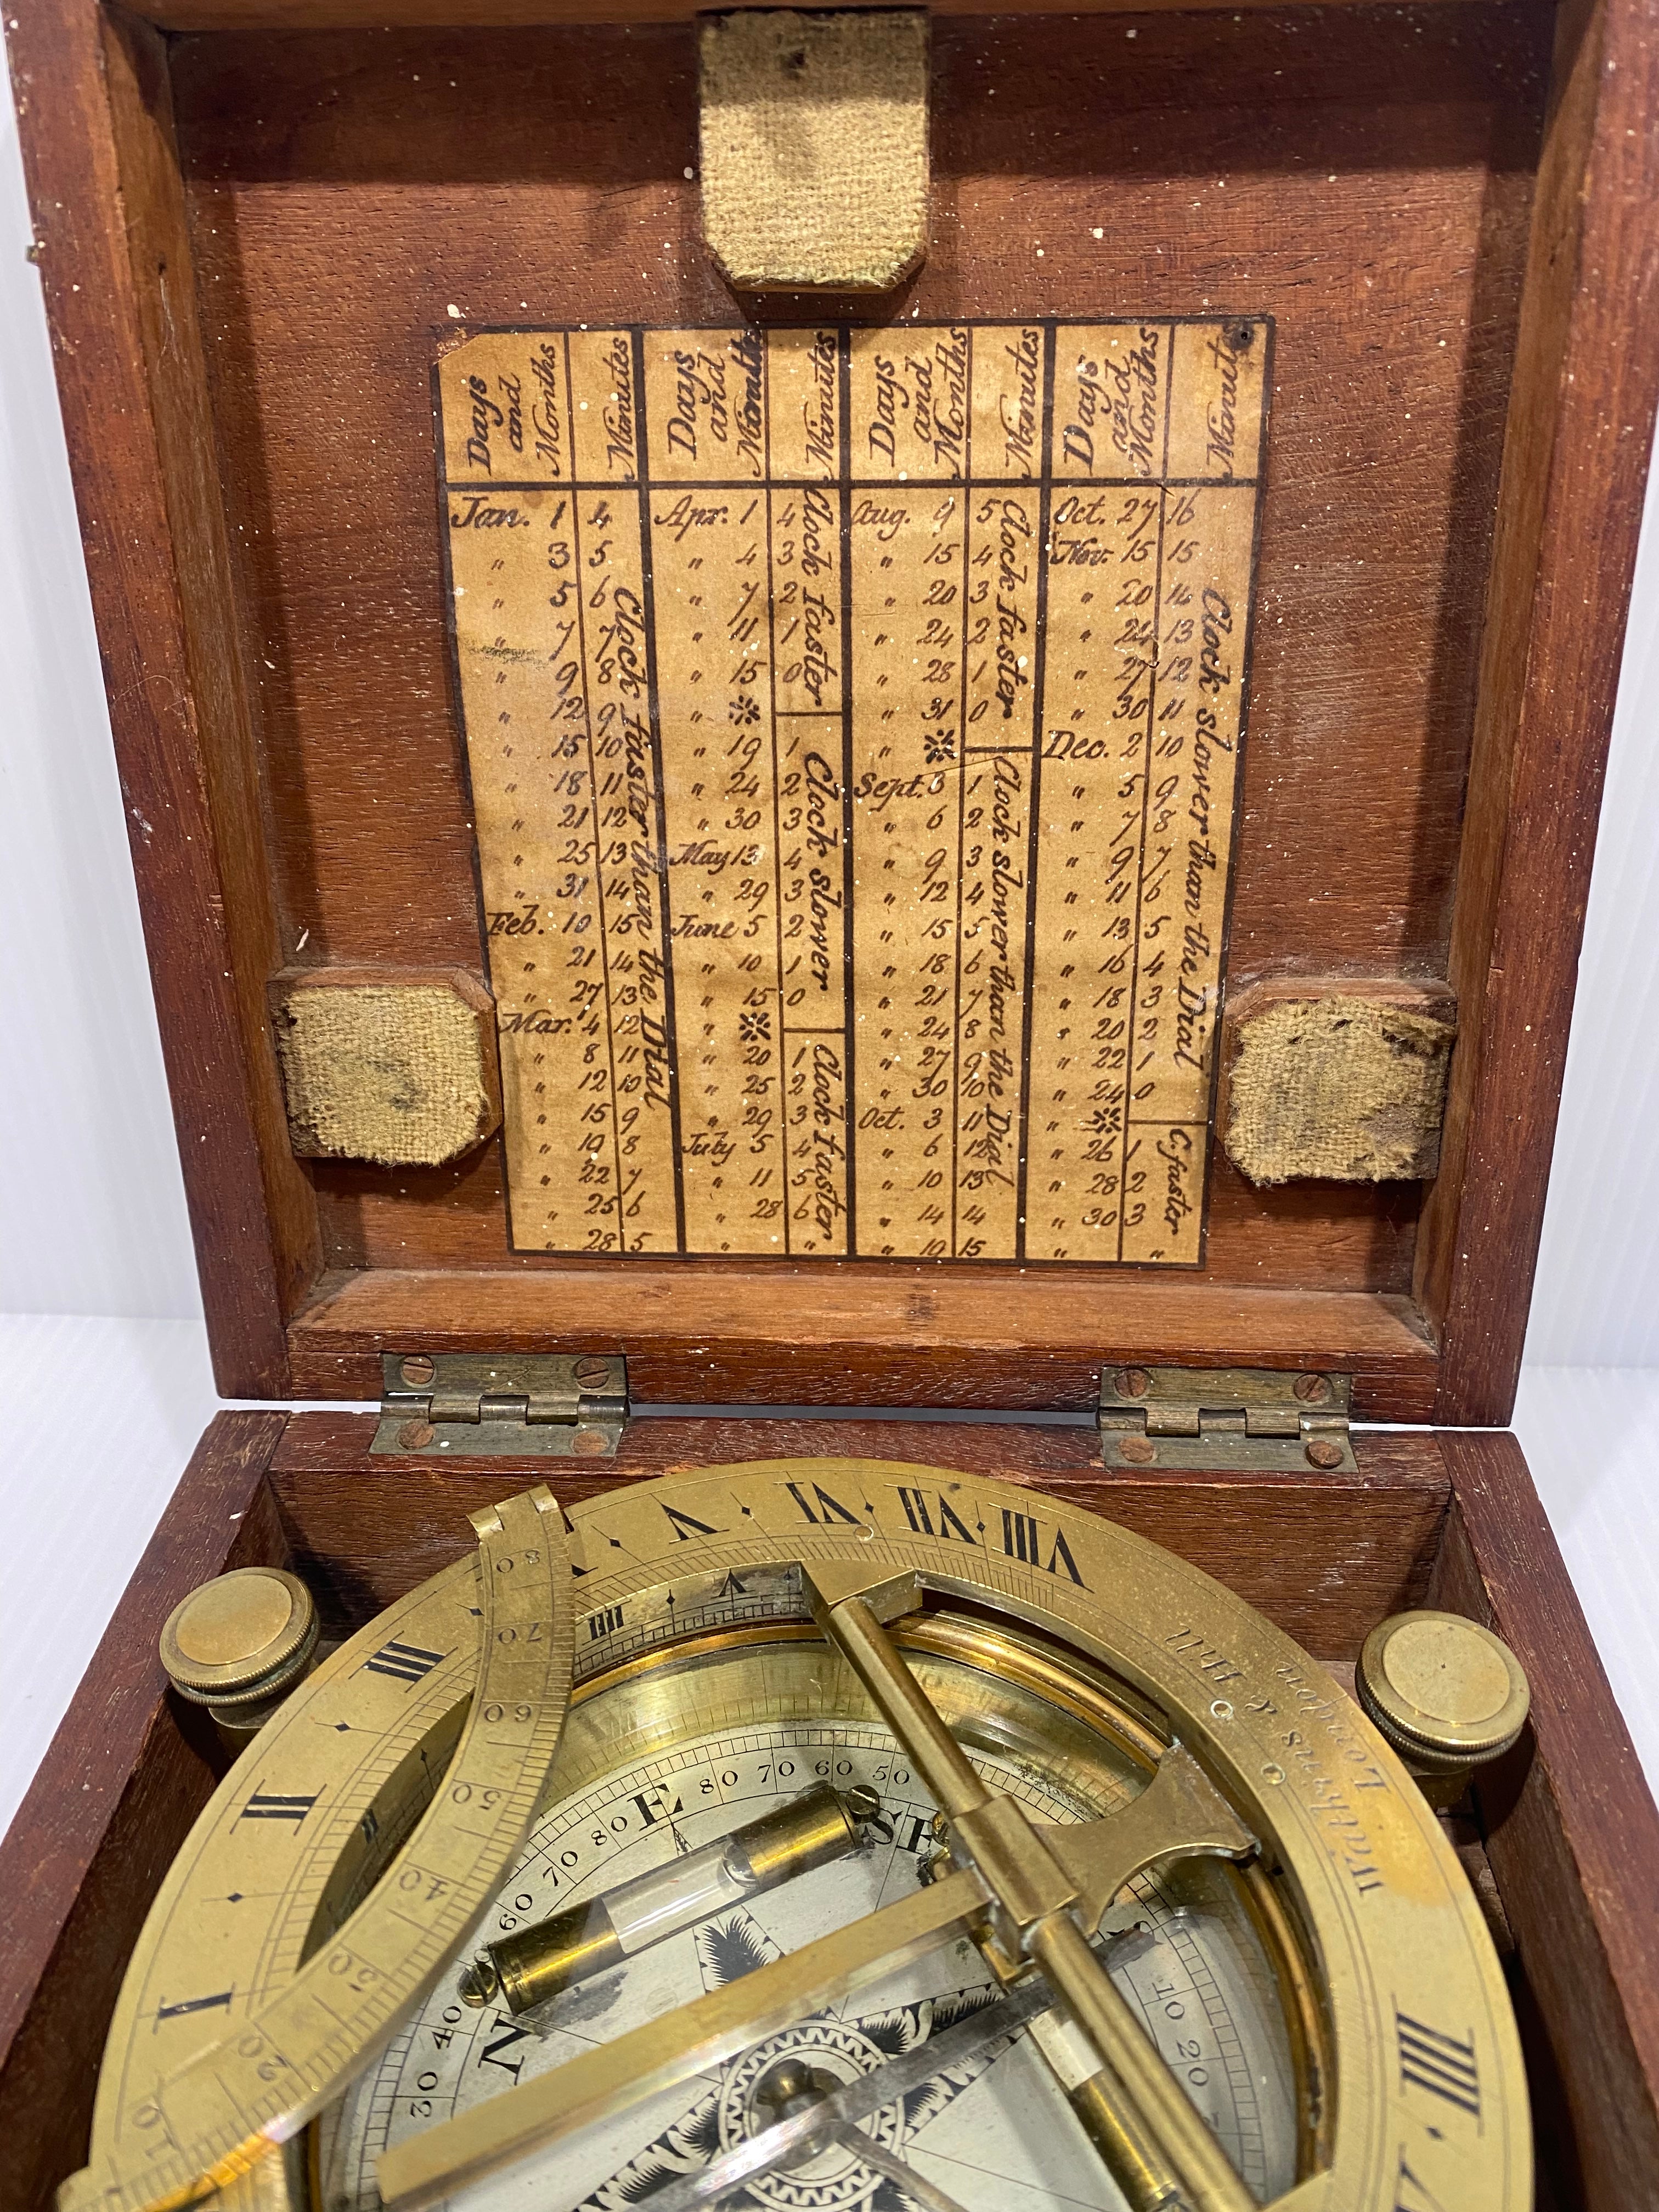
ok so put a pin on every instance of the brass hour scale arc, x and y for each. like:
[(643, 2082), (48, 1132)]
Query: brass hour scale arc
[(1272, 1982), (218, 2075), (855, 720)]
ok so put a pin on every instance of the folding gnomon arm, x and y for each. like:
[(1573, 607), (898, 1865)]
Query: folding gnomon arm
[(1047, 1890)]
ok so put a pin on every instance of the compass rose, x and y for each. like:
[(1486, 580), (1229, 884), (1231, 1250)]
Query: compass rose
[(821, 2054)]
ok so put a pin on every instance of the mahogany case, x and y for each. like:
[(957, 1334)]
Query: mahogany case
[(257, 221)]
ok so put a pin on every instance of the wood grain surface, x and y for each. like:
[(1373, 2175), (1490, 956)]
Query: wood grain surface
[(1326, 1557), (159, 247), (346, 191), (106, 159), (1572, 1837), (1580, 422), (243, 352), (736, 1335), (355, 15), (113, 1800)]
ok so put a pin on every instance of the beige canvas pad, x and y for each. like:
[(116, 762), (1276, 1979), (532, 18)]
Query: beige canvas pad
[(814, 148), (1347, 1088), (396, 1067), (854, 718)]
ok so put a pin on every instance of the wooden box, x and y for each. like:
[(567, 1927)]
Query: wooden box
[(259, 222)]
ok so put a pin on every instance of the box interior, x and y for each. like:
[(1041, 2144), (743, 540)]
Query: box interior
[(1365, 175)]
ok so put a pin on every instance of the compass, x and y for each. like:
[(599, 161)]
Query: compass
[(911, 1841)]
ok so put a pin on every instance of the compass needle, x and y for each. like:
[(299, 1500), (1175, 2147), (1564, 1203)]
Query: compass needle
[(895, 2169), (794, 2137)]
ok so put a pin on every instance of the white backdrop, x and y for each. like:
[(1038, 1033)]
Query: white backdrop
[(92, 1218), (93, 1210)]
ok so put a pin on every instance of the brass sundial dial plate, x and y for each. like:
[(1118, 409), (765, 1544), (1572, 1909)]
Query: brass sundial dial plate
[(1316, 2016)]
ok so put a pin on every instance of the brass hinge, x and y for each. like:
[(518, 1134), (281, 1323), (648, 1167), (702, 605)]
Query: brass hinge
[(522, 1405), (1191, 1418)]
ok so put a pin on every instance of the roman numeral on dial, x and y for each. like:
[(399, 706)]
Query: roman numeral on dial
[(1410, 2195), (405, 1662), (950, 1523), (687, 1527), (260, 1807), (193, 2004), (1022, 1540), (829, 1508), (1433, 2060)]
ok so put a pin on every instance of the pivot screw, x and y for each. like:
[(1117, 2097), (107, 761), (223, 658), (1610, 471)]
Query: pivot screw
[(480, 1982), (1133, 1381)]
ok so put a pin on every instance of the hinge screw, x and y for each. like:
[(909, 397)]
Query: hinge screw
[(415, 1436), (417, 1370), (1312, 1390), (1133, 1381), (590, 1373), (587, 1443), (1326, 1456), (1139, 1451)]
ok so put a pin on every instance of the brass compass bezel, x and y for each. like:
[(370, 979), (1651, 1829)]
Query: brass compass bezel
[(1373, 1917)]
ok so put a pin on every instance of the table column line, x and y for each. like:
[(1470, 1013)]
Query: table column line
[(1145, 788), (648, 582), (961, 789), (1034, 815), (849, 1005)]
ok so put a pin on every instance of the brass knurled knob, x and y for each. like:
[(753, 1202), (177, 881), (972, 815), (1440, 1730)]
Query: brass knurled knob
[(239, 1640), (1447, 1694)]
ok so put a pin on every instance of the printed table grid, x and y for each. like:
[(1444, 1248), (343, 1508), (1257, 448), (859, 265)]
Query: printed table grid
[(854, 718)]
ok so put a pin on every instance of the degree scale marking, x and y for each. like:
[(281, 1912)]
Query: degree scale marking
[(1486, 2169), (223, 2111), (854, 720), (1415, 1948), (218, 1868)]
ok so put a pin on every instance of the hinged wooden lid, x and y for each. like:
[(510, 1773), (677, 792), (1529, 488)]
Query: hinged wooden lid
[(259, 240)]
